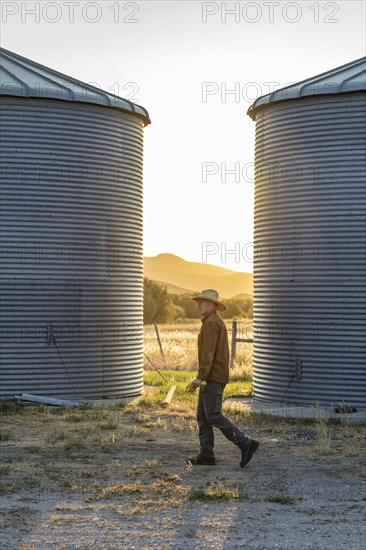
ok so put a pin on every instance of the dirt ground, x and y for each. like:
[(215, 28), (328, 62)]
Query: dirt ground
[(117, 479)]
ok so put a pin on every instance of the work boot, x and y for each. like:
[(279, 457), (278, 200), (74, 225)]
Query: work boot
[(200, 460), (248, 451)]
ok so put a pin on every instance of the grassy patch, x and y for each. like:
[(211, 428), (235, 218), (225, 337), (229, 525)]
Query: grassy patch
[(63, 478), (118, 489), (164, 486), (181, 425), (19, 515), (153, 378), (11, 409), (181, 395), (238, 389), (56, 435), (5, 469), (33, 449), (109, 424), (134, 432), (73, 444), (108, 442), (20, 484), (66, 518), (277, 485), (215, 493), (149, 420), (241, 374), (74, 417), (281, 499), (146, 468), (8, 488), (351, 439), (151, 469), (323, 445), (5, 434), (90, 473)]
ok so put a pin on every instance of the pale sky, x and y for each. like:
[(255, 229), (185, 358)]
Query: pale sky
[(180, 59)]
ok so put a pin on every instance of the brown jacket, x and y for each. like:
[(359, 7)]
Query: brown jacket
[(213, 349)]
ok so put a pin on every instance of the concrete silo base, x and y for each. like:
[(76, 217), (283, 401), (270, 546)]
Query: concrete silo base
[(252, 405)]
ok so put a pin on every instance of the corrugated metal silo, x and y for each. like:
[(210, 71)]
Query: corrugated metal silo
[(71, 236), (309, 268)]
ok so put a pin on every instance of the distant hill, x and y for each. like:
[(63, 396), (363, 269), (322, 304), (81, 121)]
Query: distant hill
[(173, 289), (181, 275)]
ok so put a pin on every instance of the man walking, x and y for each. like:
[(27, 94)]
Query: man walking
[(213, 357)]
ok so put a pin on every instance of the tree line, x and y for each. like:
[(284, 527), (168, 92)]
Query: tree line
[(162, 307)]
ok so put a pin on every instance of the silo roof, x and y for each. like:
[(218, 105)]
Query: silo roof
[(23, 77), (346, 78)]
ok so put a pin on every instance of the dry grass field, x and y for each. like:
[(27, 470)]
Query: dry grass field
[(179, 343), (115, 477)]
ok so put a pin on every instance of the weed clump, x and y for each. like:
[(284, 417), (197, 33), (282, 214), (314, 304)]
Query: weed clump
[(323, 445), (5, 434)]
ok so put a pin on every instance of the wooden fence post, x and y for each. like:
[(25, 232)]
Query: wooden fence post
[(158, 338), (234, 330)]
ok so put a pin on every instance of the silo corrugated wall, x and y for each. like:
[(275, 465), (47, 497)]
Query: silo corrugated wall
[(309, 270), (72, 269)]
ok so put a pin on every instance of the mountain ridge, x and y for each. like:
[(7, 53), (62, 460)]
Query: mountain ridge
[(175, 272)]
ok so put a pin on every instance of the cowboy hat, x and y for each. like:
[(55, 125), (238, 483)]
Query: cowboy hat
[(212, 296)]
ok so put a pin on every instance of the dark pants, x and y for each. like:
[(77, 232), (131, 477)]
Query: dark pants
[(209, 415)]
